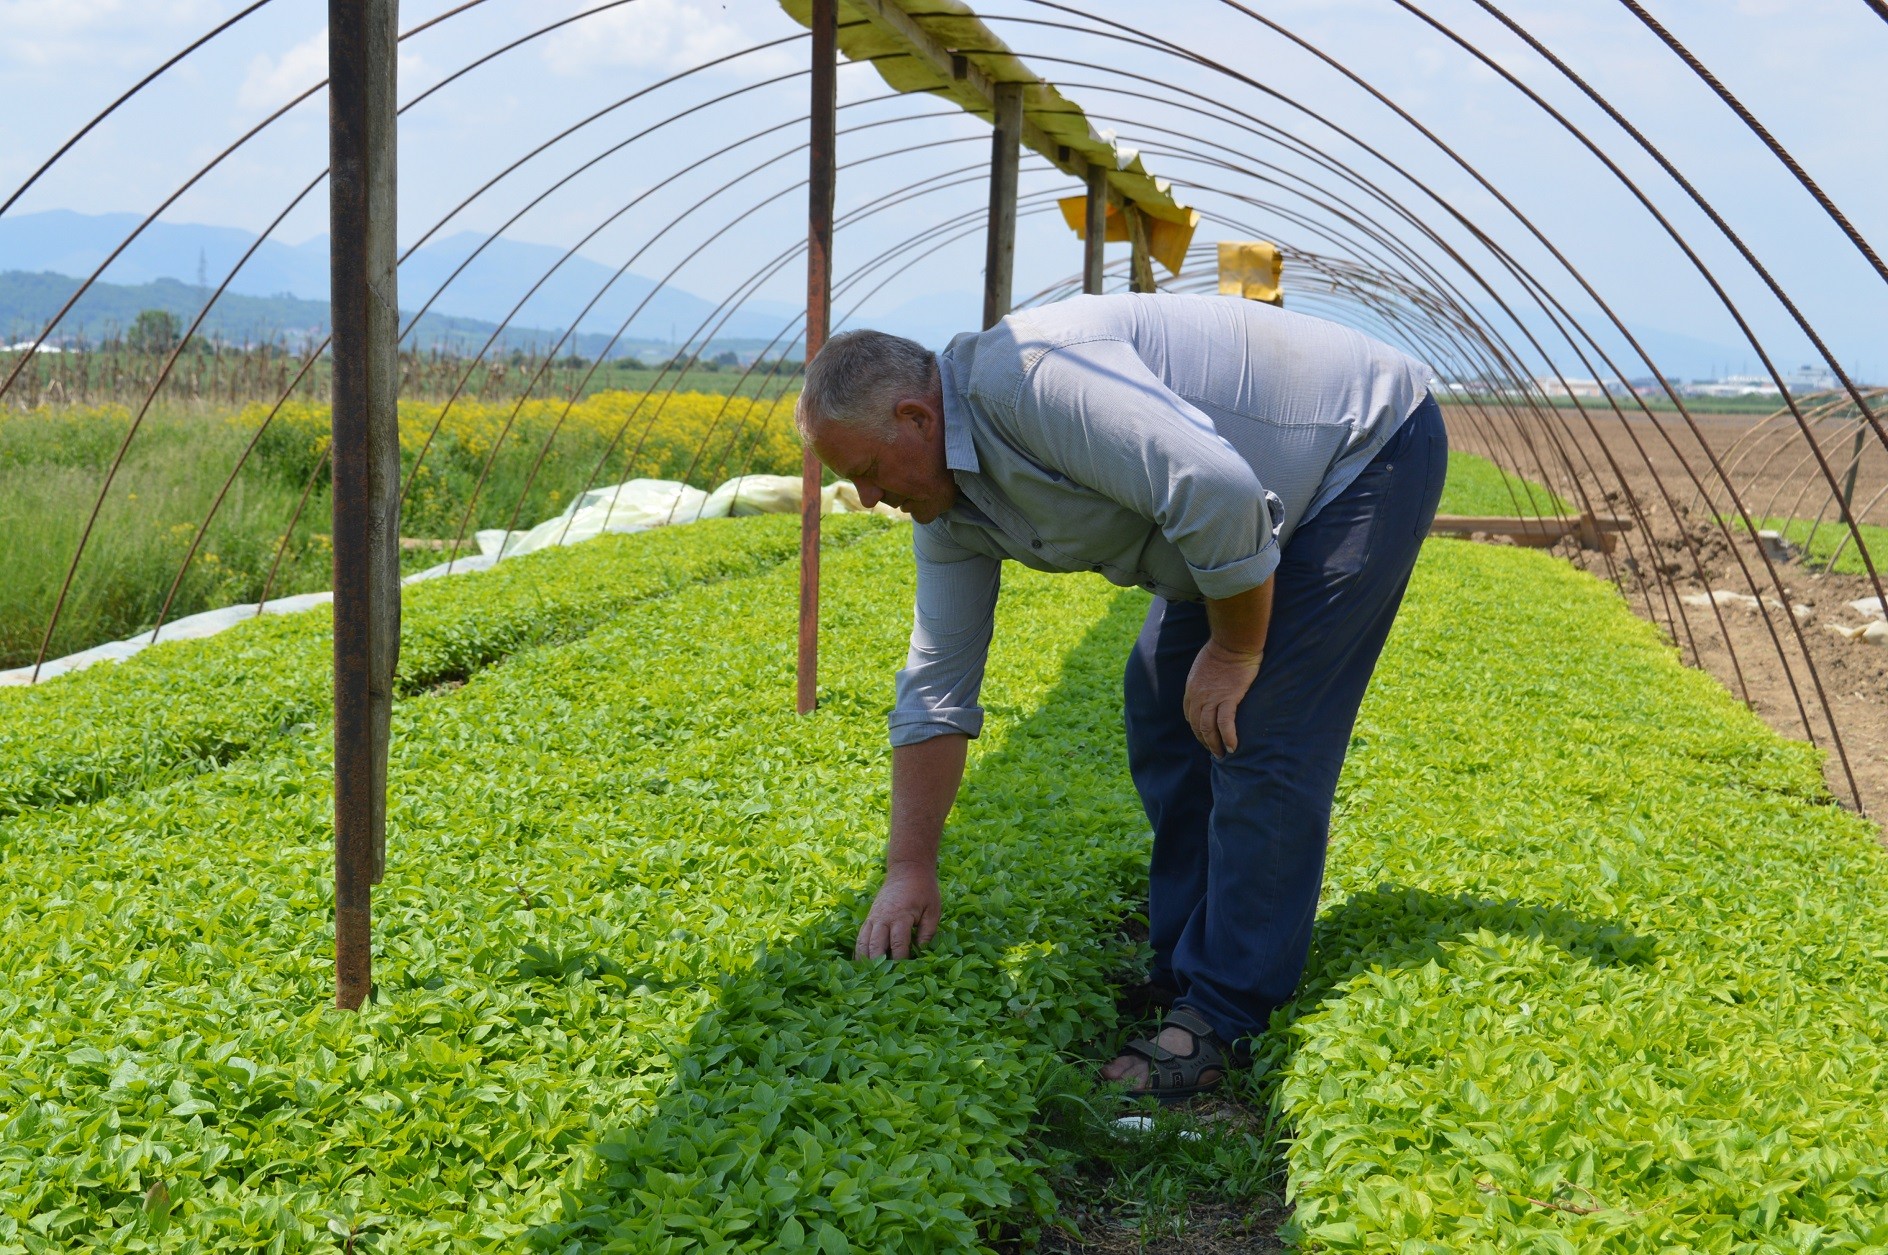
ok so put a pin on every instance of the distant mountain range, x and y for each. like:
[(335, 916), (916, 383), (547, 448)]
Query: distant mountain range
[(282, 291), (28, 301), (283, 288)]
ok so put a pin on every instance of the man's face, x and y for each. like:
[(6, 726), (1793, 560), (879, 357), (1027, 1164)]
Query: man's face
[(905, 469)]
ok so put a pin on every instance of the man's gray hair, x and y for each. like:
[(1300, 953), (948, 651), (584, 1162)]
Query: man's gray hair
[(859, 376)]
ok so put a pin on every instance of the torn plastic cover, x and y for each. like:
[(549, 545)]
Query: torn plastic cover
[(1250, 268), (1167, 242)]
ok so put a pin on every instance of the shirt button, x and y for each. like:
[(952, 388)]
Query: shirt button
[(1035, 544), (1097, 568)]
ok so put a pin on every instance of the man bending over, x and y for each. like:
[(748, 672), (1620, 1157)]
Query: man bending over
[(1269, 477)]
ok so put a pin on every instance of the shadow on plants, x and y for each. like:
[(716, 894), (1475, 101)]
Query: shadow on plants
[(1399, 926), (924, 1105), (1177, 1173), (882, 1106)]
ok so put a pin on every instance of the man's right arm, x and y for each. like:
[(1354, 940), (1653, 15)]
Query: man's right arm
[(931, 726), (925, 779)]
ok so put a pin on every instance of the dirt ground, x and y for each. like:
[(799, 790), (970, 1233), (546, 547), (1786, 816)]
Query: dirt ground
[(1767, 460), (1210, 1229), (1759, 656)]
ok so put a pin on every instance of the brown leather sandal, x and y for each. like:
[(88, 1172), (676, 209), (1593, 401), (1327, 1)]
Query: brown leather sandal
[(1174, 1077)]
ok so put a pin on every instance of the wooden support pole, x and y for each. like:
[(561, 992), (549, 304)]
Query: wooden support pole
[(362, 43), (1855, 464), (1141, 265), (1006, 144), (1094, 229), (822, 175)]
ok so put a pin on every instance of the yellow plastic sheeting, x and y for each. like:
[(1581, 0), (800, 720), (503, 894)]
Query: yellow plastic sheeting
[(1250, 268), (956, 27), (1167, 241)]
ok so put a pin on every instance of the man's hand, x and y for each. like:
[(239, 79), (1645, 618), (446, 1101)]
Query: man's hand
[(1215, 686), (909, 899), (1226, 665), (925, 776)]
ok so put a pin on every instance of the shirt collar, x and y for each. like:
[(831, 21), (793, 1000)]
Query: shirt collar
[(960, 451)]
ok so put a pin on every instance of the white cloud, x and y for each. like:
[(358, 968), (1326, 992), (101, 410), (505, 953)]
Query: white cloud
[(274, 81), (666, 36)]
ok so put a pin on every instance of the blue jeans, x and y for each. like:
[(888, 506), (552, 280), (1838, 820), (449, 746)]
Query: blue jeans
[(1239, 841)]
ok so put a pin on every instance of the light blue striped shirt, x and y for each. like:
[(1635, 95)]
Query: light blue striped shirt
[(1169, 442)]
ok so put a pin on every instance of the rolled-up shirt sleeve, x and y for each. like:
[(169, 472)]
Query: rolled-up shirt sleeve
[(1094, 412), (950, 639)]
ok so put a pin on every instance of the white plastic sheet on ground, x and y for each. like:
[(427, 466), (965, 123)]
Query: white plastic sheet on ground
[(1729, 597), (190, 627), (1874, 628), (641, 504), (1873, 633), (756, 494), (636, 505)]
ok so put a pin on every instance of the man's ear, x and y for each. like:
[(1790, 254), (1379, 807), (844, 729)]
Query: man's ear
[(916, 410)]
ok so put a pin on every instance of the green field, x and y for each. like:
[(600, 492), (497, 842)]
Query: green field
[(523, 462), (1699, 407), (1596, 1001), (209, 378), (1582, 981), (1476, 486)]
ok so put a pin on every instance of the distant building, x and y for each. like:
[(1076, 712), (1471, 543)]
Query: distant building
[(1554, 386), (1477, 387), (1811, 379), (1730, 386), (1802, 379)]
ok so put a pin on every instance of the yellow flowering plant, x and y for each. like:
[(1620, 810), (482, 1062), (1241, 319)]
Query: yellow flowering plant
[(535, 456)]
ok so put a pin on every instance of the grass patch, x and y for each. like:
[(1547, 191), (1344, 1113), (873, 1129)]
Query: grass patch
[(615, 1005), (1476, 486), (1629, 998), (53, 461), (1220, 1156), (50, 470), (1819, 542), (1600, 964)]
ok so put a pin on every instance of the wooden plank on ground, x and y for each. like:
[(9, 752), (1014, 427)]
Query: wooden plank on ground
[(1593, 532)]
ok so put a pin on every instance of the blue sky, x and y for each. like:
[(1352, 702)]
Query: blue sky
[(1810, 69)]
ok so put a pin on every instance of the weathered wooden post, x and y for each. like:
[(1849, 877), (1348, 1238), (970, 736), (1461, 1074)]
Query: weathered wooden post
[(1140, 262), (822, 150), (1095, 228), (362, 43), (1006, 142), (1855, 464)]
